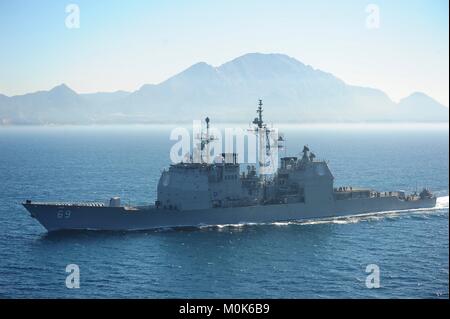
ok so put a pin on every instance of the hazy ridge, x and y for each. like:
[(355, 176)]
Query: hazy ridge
[(291, 90)]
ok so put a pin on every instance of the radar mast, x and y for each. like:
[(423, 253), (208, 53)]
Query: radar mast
[(263, 134), (205, 140)]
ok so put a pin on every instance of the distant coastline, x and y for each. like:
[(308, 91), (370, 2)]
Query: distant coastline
[(291, 91)]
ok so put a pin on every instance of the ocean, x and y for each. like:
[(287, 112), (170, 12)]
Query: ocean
[(309, 259)]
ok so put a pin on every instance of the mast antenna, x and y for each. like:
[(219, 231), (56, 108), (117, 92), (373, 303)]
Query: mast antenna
[(260, 130), (205, 140)]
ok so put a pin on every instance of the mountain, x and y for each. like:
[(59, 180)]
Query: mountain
[(420, 107), (291, 90), (59, 105)]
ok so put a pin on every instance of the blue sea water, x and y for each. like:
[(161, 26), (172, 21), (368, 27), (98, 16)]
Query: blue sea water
[(312, 259)]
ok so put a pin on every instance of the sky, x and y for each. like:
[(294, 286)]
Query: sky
[(121, 45)]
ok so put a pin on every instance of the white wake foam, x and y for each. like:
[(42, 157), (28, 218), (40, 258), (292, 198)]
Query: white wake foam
[(441, 203)]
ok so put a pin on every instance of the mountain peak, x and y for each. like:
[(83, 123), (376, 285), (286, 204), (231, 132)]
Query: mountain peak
[(422, 107), (197, 72), (269, 66), (417, 93), (257, 58), (199, 67), (62, 89), (418, 97), (264, 56)]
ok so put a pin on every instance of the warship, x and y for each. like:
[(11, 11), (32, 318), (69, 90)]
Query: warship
[(202, 192)]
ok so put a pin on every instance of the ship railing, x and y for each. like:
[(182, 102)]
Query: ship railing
[(84, 204)]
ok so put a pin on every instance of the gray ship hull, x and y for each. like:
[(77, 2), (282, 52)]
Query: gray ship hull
[(55, 217)]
